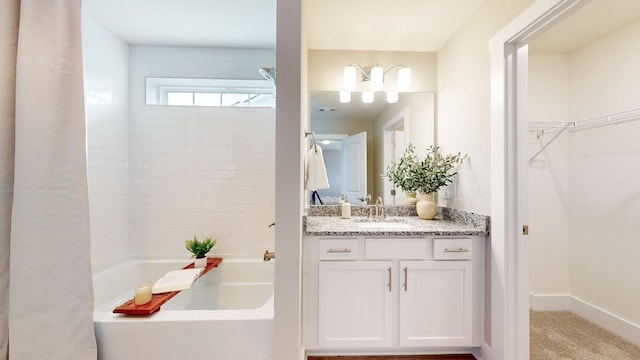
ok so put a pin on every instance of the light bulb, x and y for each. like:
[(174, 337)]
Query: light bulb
[(349, 78), (404, 79), (377, 78), (345, 96), (367, 97), (392, 97)]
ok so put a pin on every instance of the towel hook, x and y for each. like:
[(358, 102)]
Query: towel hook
[(313, 137)]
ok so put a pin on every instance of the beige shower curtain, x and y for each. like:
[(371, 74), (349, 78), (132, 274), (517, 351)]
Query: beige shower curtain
[(46, 295)]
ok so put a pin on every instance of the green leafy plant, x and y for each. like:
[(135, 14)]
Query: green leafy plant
[(199, 249), (427, 175), (405, 173), (437, 170)]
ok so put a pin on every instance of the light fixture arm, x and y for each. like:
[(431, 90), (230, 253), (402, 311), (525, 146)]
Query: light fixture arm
[(393, 67), (366, 76)]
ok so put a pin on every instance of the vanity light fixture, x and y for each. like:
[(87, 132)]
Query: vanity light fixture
[(375, 77)]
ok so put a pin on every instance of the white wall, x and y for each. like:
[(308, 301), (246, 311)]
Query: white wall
[(106, 72), (605, 198), (548, 179), (463, 101), (202, 170)]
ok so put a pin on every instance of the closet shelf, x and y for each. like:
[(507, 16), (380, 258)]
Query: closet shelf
[(542, 127)]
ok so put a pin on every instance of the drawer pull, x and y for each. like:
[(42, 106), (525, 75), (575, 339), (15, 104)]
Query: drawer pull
[(389, 284), (333, 251), (458, 250), (405, 279)]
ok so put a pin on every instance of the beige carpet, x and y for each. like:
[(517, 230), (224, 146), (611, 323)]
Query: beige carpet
[(562, 335)]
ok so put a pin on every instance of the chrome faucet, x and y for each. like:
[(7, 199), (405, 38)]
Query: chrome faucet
[(268, 255), (379, 208)]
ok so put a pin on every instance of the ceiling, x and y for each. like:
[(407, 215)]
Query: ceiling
[(594, 20), (203, 23), (384, 25), (330, 24)]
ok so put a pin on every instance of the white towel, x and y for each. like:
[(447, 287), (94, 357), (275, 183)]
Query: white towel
[(316, 172)]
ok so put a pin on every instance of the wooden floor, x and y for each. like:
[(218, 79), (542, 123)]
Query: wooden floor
[(396, 357)]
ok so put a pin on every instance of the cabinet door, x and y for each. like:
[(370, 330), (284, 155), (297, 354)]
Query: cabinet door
[(355, 304), (435, 303)]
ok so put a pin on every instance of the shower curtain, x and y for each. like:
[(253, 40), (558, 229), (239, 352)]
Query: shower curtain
[(46, 295)]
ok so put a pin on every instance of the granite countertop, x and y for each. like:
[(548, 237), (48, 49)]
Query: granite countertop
[(390, 226)]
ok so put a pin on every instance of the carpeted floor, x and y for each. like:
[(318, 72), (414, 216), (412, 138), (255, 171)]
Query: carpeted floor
[(562, 335)]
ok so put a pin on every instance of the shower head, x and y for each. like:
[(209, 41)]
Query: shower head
[(268, 73)]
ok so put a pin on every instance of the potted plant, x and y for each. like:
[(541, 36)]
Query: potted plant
[(435, 171), (405, 174), (199, 249)]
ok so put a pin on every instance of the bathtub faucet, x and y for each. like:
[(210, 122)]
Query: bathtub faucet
[(268, 255)]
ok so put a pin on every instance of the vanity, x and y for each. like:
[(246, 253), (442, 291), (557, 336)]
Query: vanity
[(391, 285)]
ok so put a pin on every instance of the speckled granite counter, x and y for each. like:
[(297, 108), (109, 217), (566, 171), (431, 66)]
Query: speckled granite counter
[(327, 222)]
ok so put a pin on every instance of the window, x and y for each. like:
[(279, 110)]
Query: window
[(210, 92)]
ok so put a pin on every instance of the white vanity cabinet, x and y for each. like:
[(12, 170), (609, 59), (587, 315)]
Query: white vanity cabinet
[(435, 304), (355, 304), (392, 293)]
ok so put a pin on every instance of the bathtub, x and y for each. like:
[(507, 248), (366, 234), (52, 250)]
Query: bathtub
[(227, 315)]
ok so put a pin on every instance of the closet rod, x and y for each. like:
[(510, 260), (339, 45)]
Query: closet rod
[(542, 126), (614, 118), (610, 119)]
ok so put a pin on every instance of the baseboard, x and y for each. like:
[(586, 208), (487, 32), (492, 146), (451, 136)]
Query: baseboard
[(550, 302), (613, 323), (564, 302)]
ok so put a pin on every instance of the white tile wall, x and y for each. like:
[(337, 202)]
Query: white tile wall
[(207, 171), (106, 72)]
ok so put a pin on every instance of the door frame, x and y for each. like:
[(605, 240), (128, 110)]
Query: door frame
[(509, 268), (401, 117)]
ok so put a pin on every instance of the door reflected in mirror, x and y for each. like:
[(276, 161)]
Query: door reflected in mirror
[(359, 140)]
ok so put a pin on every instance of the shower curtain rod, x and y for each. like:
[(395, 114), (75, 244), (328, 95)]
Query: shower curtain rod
[(540, 127)]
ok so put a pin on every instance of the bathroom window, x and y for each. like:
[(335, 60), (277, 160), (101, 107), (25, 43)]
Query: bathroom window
[(210, 92)]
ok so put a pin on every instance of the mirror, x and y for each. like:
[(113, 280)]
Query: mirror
[(388, 128)]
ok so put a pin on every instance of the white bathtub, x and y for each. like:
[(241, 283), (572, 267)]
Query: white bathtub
[(227, 315)]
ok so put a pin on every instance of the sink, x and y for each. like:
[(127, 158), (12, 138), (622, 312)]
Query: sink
[(391, 224)]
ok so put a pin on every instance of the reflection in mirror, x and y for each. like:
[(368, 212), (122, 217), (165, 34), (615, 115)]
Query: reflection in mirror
[(411, 119)]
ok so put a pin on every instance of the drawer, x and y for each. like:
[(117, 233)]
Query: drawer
[(338, 249), (452, 249), (398, 248)]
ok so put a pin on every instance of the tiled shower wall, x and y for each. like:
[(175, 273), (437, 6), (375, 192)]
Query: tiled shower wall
[(106, 82), (200, 170)]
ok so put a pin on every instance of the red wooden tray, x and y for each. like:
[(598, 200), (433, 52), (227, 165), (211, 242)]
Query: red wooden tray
[(157, 300)]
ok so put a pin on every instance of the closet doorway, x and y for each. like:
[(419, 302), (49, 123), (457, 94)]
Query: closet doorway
[(583, 193), (511, 152)]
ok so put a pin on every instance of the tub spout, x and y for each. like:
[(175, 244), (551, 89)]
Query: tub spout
[(268, 255)]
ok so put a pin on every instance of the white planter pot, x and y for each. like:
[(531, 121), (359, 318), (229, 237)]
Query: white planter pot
[(426, 207), (200, 262)]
